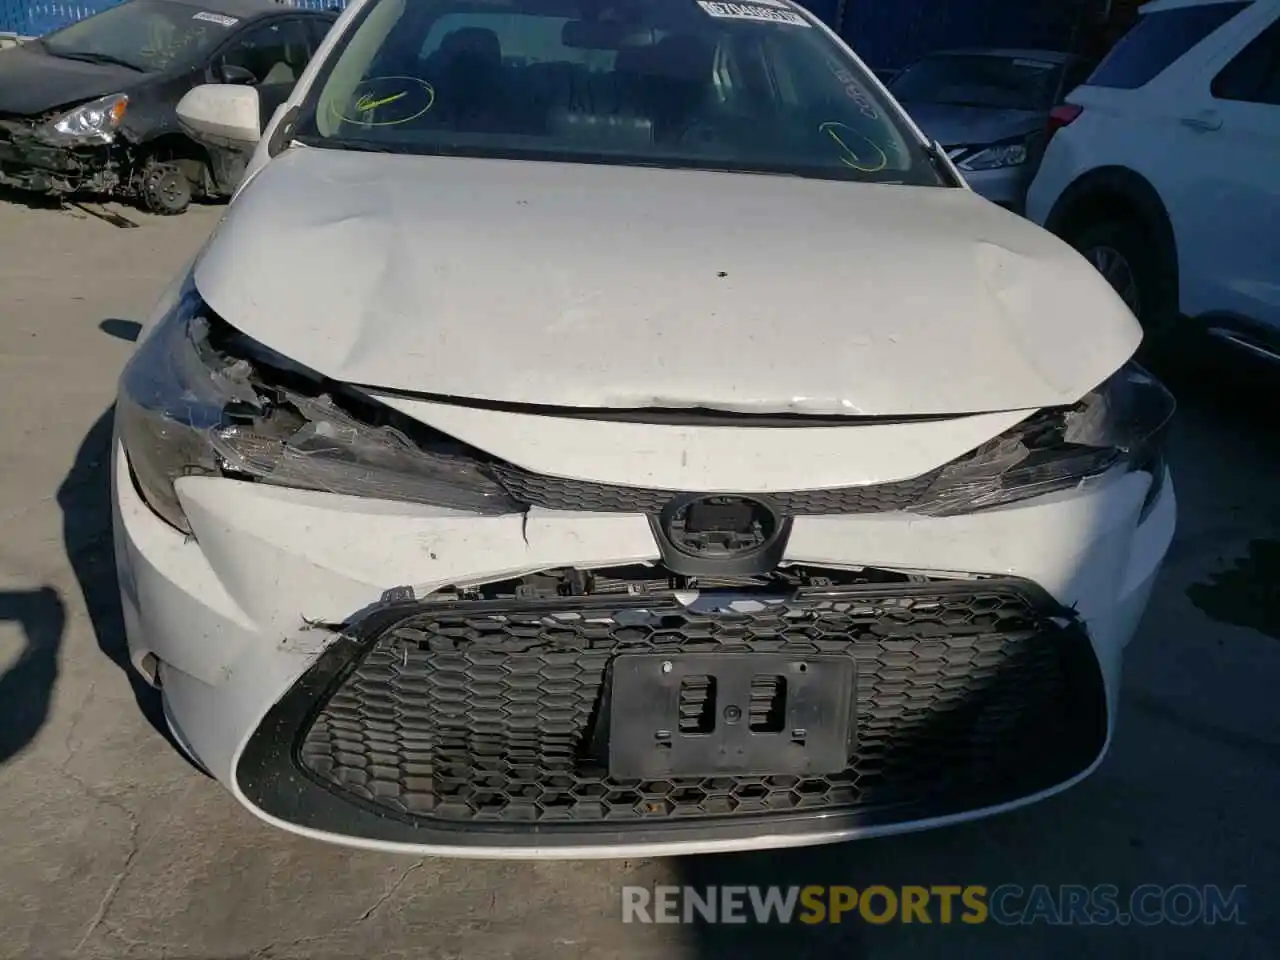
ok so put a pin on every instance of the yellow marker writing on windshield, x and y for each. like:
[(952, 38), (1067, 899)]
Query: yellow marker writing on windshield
[(364, 103), (407, 107), (851, 158)]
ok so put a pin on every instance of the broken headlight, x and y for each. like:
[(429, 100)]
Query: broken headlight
[(187, 407), (92, 122), (1118, 427)]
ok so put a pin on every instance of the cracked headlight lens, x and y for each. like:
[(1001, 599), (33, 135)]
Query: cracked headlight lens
[(187, 409), (1118, 427)]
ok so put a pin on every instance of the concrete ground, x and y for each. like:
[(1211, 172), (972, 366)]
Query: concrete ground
[(113, 846)]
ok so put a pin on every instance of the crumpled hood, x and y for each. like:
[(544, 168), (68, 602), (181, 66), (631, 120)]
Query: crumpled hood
[(32, 82), (609, 286)]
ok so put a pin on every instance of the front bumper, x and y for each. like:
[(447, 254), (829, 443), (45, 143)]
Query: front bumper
[(323, 734), (28, 164)]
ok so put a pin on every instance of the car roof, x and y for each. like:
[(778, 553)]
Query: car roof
[(1011, 53), (243, 9)]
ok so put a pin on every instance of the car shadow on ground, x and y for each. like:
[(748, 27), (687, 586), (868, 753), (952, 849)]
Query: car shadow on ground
[(25, 198), (1218, 381), (85, 499), (27, 686)]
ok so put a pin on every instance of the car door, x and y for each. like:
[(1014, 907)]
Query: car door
[(270, 56), (1225, 201)]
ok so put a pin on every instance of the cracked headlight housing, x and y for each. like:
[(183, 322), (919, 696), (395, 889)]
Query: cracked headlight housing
[(1117, 428), (90, 123), (188, 408)]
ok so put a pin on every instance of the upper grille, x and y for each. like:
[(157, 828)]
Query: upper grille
[(554, 493), (475, 712)]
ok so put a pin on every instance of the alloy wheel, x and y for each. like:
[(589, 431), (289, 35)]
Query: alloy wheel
[(1117, 270)]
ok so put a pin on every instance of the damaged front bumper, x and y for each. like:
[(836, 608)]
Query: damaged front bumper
[(27, 163), (336, 704), (530, 719)]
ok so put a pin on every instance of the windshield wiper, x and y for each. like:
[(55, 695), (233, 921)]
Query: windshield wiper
[(90, 57), (937, 155), (344, 143)]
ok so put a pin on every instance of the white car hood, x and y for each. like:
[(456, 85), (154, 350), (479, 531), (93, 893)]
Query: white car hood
[(608, 286)]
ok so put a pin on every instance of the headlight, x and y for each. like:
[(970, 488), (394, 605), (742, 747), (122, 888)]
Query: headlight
[(1117, 428), (186, 408), (995, 156), (92, 122)]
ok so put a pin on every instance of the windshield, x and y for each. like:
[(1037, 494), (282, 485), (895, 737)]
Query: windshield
[(146, 35), (734, 86), (980, 80)]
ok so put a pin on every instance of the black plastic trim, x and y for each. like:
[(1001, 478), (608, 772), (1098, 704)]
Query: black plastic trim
[(758, 561), (273, 779), (283, 133), (671, 416)]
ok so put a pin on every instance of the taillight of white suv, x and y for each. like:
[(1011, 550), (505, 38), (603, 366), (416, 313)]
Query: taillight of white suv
[(1063, 115)]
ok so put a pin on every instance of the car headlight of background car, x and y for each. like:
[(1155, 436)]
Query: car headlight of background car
[(92, 122), (1010, 153), (200, 399)]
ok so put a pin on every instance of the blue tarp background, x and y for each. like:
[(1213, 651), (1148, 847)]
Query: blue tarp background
[(35, 18), (885, 33)]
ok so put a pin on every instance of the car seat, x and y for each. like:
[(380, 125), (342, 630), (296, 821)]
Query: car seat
[(468, 74), (677, 75), (280, 73)]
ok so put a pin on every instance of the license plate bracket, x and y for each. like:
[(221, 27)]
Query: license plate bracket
[(737, 714)]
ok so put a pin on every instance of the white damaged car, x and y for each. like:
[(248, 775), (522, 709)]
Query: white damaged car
[(612, 429)]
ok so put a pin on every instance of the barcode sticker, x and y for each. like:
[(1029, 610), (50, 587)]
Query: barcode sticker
[(218, 18), (760, 11)]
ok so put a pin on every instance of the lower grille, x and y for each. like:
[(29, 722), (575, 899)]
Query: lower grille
[(490, 714)]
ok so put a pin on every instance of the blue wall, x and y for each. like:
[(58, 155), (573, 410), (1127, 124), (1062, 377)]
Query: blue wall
[(891, 33), (20, 16), (33, 17), (826, 9), (886, 33)]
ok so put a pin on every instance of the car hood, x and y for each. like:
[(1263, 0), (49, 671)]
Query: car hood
[(33, 82), (954, 126), (587, 285)]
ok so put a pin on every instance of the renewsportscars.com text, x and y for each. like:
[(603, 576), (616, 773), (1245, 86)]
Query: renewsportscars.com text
[(1008, 904)]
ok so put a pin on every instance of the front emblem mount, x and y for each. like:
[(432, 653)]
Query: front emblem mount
[(727, 534)]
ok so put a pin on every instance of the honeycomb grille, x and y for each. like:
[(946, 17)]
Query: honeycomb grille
[(554, 493), (489, 711)]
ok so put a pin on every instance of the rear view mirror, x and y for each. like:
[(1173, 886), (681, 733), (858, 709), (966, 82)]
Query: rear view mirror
[(221, 114), (604, 35)]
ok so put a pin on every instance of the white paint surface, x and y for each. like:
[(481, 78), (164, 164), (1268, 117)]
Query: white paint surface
[(601, 286)]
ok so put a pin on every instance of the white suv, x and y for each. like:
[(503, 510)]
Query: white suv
[(1164, 169)]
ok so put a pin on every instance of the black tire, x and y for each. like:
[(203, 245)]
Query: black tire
[(1131, 261), (165, 189)]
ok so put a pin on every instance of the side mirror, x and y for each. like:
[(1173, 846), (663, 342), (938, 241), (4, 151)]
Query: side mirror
[(233, 73), (222, 114)]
